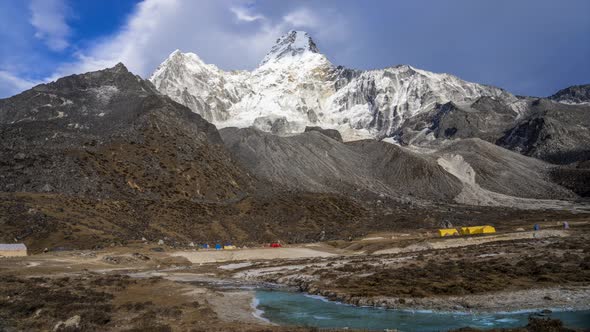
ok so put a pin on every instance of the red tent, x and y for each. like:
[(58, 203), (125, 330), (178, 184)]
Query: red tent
[(275, 245)]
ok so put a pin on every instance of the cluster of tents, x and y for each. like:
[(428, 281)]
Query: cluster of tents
[(218, 246), (467, 230), (229, 246)]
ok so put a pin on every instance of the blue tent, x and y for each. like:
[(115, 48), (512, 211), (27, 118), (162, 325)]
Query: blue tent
[(205, 246), (218, 247)]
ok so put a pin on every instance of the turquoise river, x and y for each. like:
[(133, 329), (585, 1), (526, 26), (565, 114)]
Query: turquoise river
[(299, 309)]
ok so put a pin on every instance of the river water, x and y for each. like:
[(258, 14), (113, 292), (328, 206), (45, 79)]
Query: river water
[(299, 309)]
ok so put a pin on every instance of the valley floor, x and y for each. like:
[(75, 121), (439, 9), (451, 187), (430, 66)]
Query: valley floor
[(139, 288)]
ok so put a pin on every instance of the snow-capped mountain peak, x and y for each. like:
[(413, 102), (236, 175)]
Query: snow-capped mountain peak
[(188, 63), (202, 87), (296, 86), (292, 44)]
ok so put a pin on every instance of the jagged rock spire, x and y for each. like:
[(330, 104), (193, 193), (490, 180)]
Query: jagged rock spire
[(293, 43)]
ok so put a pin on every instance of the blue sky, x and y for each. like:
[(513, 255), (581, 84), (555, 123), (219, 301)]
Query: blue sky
[(529, 47)]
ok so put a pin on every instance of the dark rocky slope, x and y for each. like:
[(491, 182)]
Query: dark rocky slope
[(507, 172), (332, 133), (108, 134), (314, 162), (103, 158), (575, 177), (411, 174), (551, 131), (486, 118), (545, 129), (576, 94)]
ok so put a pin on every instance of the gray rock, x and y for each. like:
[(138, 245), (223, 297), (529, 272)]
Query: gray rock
[(47, 188), (332, 133), (551, 131), (59, 130), (278, 125), (577, 94), (544, 129), (71, 323), (313, 162)]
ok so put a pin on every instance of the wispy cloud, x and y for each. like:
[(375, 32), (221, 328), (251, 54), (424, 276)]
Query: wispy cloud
[(233, 34), (243, 14), (301, 18), (236, 34), (49, 19)]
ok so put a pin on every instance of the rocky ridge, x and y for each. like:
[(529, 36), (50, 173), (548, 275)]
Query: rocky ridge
[(102, 158), (295, 86)]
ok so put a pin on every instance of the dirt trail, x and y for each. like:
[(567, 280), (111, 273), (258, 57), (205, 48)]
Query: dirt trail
[(250, 254), (456, 242)]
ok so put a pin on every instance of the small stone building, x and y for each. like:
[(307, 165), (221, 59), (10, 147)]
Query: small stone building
[(13, 250)]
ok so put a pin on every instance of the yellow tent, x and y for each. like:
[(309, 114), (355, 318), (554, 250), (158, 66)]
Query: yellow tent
[(447, 232), (477, 230), (229, 247), (488, 229)]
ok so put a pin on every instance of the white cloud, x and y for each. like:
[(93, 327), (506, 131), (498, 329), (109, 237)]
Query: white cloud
[(11, 84), (242, 14), (301, 18), (232, 34), (49, 19)]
